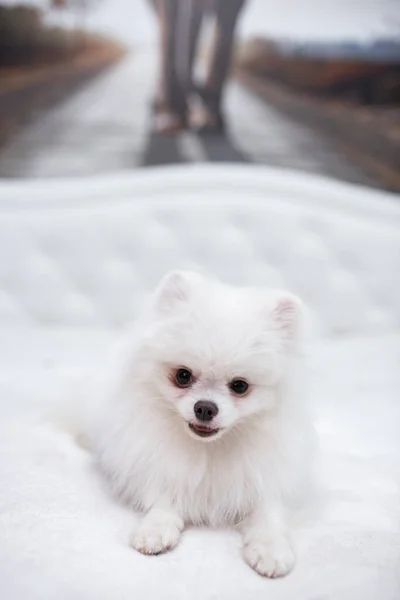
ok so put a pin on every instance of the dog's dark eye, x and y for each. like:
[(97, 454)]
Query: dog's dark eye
[(183, 378), (239, 386)]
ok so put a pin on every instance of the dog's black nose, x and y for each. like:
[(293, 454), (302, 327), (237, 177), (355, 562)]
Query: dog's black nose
[(205, 410)]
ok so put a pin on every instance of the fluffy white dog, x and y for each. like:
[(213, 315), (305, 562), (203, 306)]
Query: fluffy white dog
[(204, 418)]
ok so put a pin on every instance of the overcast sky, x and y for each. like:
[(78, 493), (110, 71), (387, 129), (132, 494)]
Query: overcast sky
[(133, 22)]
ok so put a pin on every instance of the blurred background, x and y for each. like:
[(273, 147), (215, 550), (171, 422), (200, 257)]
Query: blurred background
[(313, 85)]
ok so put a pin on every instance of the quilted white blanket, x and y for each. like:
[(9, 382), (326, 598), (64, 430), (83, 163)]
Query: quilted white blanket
[(70, 271)]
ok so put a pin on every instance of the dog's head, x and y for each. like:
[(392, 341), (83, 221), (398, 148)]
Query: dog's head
[(219, 354)]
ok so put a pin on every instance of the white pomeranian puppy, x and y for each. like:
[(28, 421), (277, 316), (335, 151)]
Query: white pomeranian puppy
[(204, 418)]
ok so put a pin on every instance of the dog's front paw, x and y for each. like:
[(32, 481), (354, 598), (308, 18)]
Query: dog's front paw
[(270, 558), (156, 539), (156, 534)]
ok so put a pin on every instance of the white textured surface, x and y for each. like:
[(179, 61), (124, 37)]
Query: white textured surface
[(76, 258), (83, 254), (62, 537)]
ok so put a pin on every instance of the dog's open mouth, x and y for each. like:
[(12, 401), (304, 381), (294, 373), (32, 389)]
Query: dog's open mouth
[(202, 430)]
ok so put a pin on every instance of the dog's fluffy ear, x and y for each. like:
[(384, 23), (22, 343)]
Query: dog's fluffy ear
[(287, 313), (175, 287)]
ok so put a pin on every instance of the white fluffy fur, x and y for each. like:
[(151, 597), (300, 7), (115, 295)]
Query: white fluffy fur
[(253, 471)]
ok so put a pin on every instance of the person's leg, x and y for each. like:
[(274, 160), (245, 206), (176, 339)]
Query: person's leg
[(197, 20), (170, 104), (180, 22), (227, 14), (226, 18), (189, 23)]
